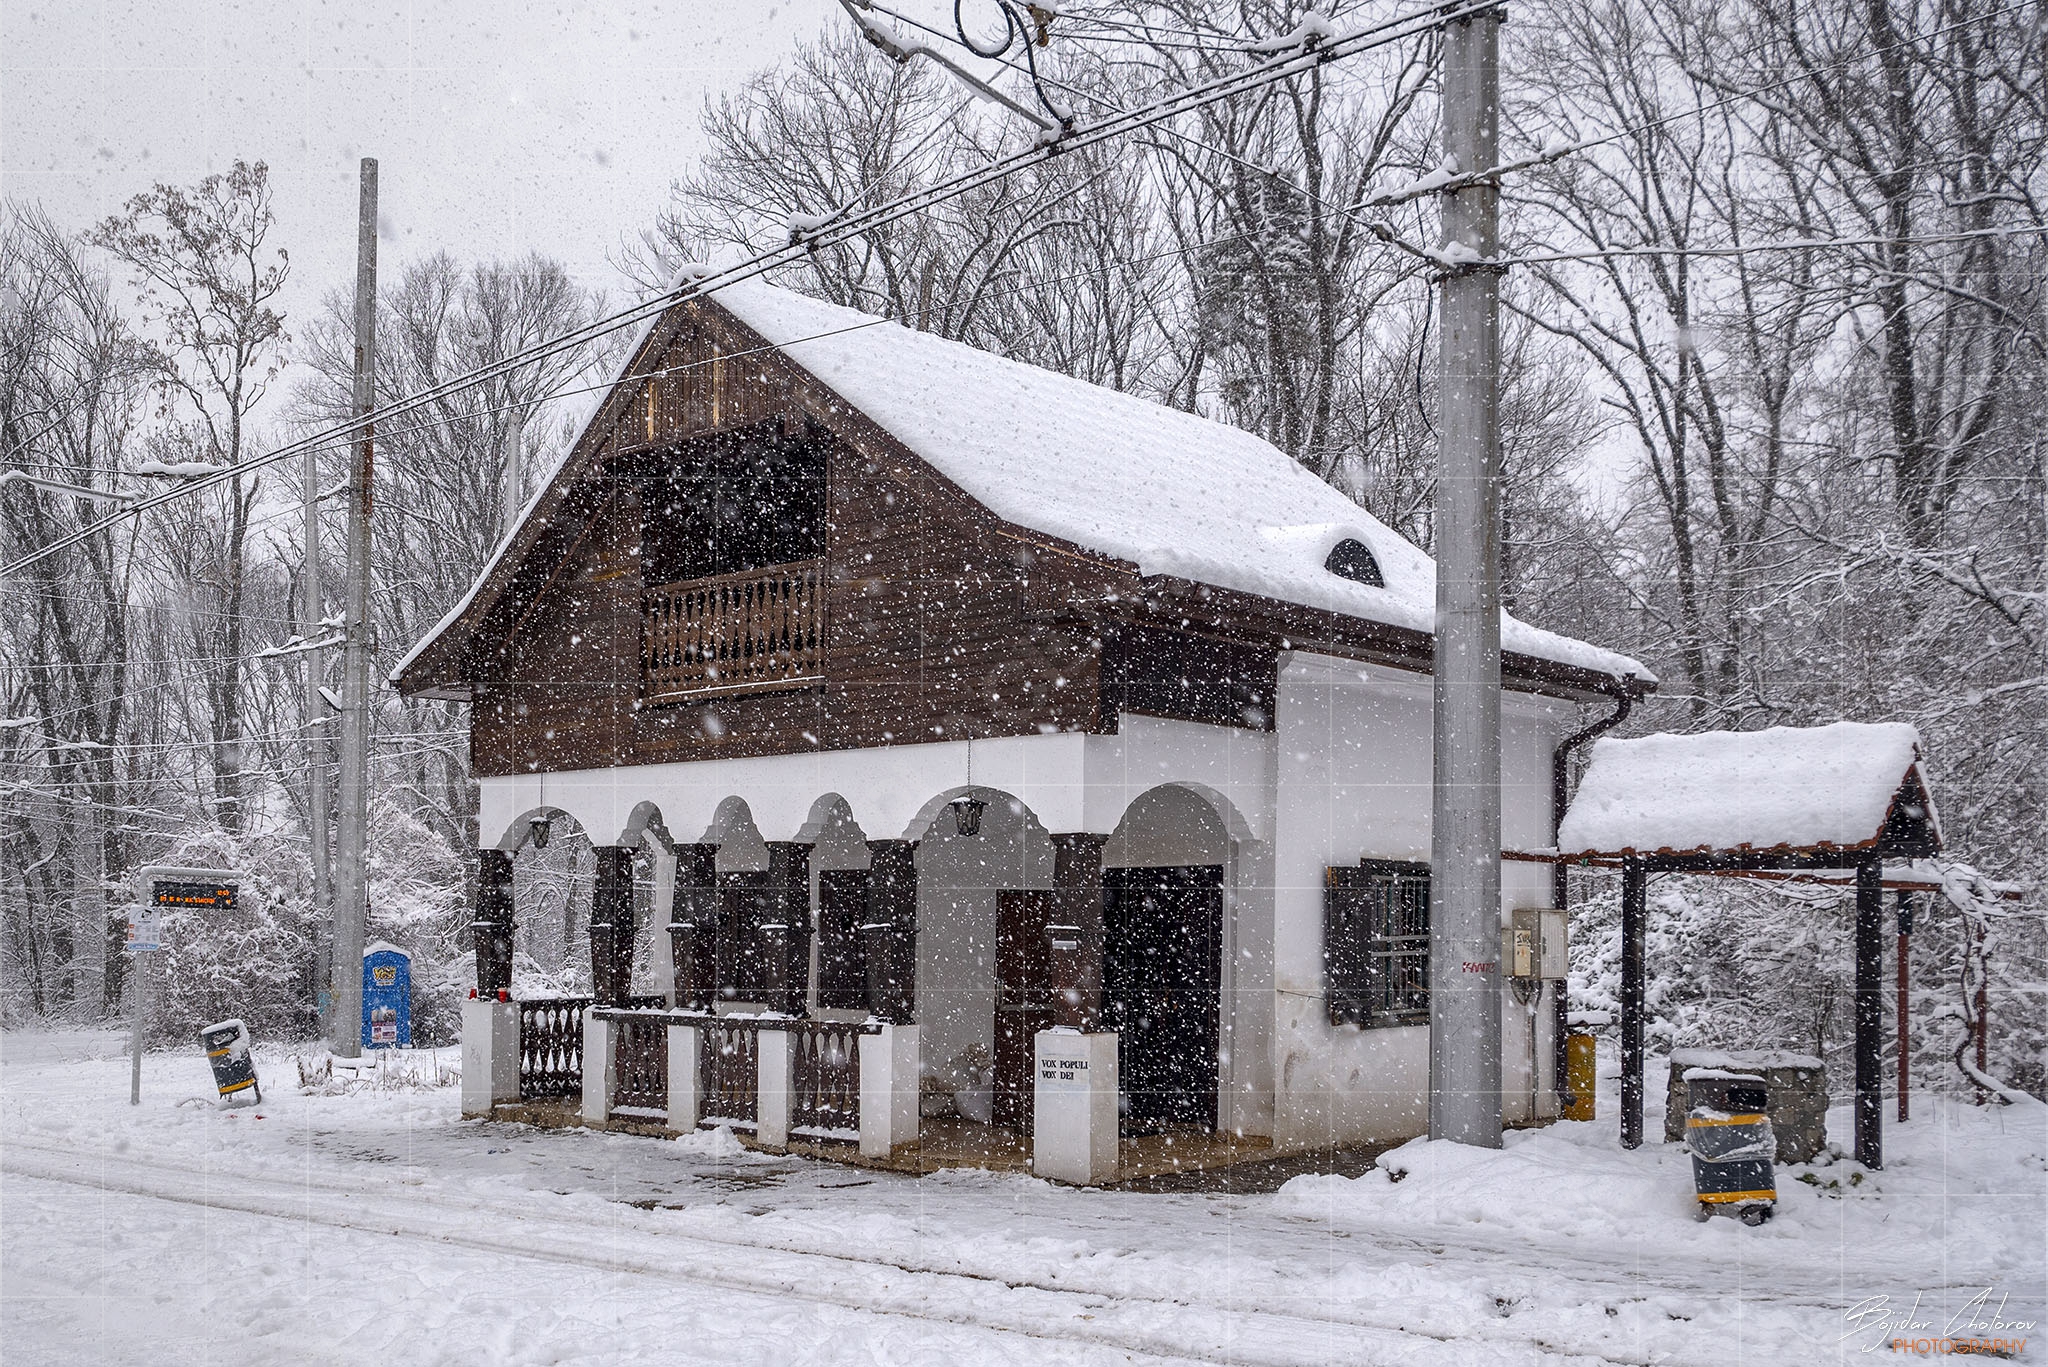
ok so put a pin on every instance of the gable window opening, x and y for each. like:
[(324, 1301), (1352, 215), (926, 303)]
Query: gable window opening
[(1352, 559), (1376, 943), (732, 551)]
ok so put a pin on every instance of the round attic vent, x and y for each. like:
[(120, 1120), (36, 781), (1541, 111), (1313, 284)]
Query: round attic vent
[(1352, 559)]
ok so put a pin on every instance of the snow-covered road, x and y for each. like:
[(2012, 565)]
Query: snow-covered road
[(378, 1226)]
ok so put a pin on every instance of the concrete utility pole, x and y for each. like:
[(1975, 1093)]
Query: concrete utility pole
[(314, 726), (351, 868), (511, 476), (1464, 924)]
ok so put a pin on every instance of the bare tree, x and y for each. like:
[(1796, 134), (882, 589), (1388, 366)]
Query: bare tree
[(206, 277)]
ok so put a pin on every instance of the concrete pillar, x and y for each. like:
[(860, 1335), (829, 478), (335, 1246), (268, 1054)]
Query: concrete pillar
[(1074, 1123), (490, 1054), (888, 1090), (685, 1079), (777, 1084), (600, 1068)]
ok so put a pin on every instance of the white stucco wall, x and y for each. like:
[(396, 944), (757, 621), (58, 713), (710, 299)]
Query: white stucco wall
[(1354, 778), (1345, 775), (959, 880)]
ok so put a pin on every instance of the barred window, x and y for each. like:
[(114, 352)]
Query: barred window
[(1376, 943)]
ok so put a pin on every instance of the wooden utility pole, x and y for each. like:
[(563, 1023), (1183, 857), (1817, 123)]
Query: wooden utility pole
[(313, 725), (1465, 923), (351, 866)]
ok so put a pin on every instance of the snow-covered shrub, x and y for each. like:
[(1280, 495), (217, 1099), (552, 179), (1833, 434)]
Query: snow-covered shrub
[(254, 961)]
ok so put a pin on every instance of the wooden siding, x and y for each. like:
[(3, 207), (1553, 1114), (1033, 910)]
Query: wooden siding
[(941, 622)]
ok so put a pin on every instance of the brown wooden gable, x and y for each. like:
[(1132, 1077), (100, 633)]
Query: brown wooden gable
[(939, 620)]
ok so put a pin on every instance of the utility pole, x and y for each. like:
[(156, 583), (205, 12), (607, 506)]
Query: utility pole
[(1465, 906), (318, 753), (512, 475), (351, 867)]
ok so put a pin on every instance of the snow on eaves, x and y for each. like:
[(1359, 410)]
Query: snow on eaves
[(1169, 491), (1787, 787)]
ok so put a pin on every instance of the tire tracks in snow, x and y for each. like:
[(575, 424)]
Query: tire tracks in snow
[(1162, 1329)]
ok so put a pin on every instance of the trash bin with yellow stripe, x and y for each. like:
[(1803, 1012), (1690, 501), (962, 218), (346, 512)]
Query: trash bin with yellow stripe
[(1729, 1134), (234, 1067)]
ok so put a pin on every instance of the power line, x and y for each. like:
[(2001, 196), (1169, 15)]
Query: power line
[(1793, 245), (834, 229)]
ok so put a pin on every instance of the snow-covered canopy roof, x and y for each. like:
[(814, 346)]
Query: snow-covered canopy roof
[(1168, 491), (1789, 788), (1172, 492)]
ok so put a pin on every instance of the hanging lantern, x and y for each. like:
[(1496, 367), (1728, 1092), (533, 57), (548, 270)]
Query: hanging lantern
[(539, 827), (967, 814)]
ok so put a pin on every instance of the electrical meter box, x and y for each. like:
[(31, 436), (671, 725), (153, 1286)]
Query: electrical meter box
[(1533, 945)]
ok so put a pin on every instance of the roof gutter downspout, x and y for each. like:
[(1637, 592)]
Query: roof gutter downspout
[(1625, 697)]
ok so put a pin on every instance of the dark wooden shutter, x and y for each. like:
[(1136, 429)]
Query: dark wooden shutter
[(1347, 935), (1376, 943)]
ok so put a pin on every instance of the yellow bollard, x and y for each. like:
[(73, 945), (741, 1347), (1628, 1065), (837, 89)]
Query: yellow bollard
[(1578, 1077)]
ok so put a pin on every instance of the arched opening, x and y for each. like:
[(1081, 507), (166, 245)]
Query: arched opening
[(1164, 879), (554, 872), (970, 904)]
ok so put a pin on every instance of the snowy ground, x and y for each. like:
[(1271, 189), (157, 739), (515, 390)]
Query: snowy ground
[(375, 1226)]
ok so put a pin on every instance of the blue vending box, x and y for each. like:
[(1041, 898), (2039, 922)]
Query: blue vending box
[(387, 997)]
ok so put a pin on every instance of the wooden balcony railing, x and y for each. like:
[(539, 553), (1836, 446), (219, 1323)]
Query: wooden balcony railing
[(757, 630)]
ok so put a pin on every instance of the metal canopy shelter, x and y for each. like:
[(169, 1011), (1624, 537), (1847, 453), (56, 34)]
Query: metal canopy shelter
[(1842, 797)]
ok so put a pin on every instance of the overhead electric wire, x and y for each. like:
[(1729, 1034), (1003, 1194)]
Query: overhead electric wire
[(1790, 245), (838, 228)]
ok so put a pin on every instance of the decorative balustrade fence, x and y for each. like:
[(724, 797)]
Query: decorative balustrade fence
[(641, 1060), (729, 1065), (551, 1047), (733, 633), (826, 1079)]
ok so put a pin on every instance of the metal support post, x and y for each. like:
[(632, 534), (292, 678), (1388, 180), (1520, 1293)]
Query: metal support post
[(1465, 906), (1870, 1013), (1634, 933), (1905, 912)]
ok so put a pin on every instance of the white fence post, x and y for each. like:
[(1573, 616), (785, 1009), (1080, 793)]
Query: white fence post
[(1074, 1134), (685, 1079), (600, 1068), (888, 1090), (777, 1086)]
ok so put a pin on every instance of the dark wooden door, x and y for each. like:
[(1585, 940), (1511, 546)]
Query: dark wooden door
[(1023, 1001), (1161, 992)]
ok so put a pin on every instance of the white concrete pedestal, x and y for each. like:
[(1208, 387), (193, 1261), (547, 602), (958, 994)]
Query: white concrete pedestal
[(600, 1068), (685, 1083), (888, 1090), (1074, 1126), (490, 1054), (777, 1077)]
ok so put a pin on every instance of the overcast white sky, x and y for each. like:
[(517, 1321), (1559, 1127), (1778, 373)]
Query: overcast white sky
[(498, 126)]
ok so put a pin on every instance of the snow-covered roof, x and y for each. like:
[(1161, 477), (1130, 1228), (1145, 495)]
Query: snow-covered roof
[(1790, 788), (1171, 492)]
